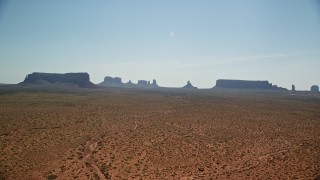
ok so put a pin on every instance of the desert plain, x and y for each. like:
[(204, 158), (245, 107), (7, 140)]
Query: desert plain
[(117, 133)]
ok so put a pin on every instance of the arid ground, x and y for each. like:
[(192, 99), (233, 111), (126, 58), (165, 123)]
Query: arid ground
[(158, 134)]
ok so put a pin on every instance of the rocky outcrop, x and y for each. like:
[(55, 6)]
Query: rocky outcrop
[(189, 86), (154, 83), (147, 84), (293, 87), (244, 84), (78, 79), (143, 82), (130, 82), (110, 81), (314, 88), (116, 82)]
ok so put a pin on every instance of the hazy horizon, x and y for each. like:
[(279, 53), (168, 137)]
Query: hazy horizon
[(170, 41)]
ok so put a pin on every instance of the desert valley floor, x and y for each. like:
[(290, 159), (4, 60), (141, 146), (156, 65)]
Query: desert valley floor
[(158, 134)]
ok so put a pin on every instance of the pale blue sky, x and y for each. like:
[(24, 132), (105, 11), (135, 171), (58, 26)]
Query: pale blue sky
[(171, 41)]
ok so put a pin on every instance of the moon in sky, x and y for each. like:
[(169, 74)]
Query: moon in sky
[(172, 34)]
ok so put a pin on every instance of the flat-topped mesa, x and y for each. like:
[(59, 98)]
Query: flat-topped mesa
[(143, 82), (189, 86), (115, 80), (147, 84), (110, 81), (245, 84), (79, 79)]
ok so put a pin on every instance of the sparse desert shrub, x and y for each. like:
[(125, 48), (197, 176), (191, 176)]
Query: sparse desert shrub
[(52, 176)]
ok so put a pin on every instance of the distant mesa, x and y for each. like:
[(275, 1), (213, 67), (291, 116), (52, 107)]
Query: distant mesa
[(83, 80), (245, 84), (110, 81), (189, 86), (77, 79), (143, 82), (314, 88), (116, 82)]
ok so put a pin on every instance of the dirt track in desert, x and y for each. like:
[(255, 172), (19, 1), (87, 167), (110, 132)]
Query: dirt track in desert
[(170, 134)]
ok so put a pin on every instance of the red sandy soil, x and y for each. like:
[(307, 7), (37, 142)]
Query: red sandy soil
[(120, 134)]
